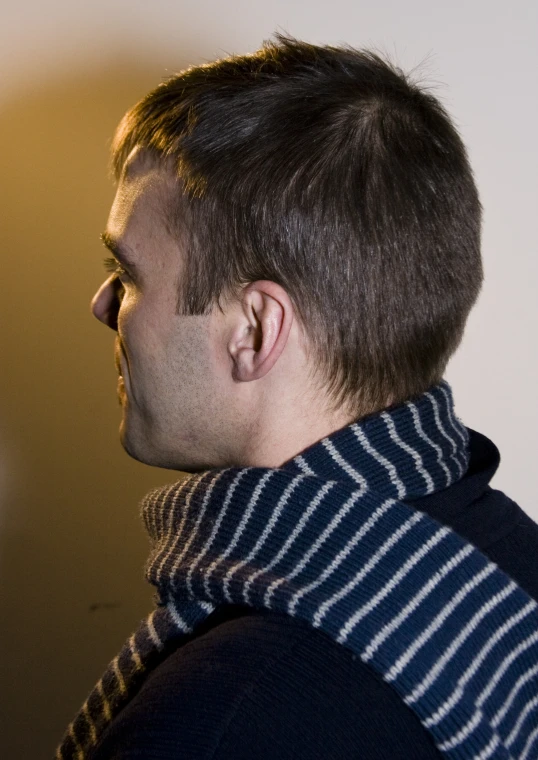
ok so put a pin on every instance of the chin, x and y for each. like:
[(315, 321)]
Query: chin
[(149, 444), (138, 445)]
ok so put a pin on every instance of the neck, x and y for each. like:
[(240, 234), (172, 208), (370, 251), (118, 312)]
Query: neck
[(278, 431), (278, 439)]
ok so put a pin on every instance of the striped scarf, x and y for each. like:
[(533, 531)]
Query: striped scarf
[(328, 539)]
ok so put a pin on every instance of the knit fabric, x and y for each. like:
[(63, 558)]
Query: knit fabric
[(328, 538)]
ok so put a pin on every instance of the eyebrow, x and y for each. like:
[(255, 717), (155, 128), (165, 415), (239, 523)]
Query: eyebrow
[(120, 252)]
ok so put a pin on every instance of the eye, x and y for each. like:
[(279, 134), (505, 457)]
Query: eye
[(114, 267)]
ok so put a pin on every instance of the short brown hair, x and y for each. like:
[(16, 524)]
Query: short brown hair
[(327, 170)]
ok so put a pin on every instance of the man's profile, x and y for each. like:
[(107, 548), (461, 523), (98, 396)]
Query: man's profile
[(295, 244)]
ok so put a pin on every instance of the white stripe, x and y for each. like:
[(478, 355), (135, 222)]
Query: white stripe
[(522, 718), (301, 462), (75, 740), (465, 731), (241, 527), (334, 562), (153, 513), (90, 722), (439, 619), (422, 434), (119, 676), (158, 525), (183, 626), (344, 509), (478, 659), (449, 653), (221, 515), (457, 425), (207, 607), (522, 680), (104, 700), (169, 534), (194, 531), (403, 445), (393, 473), (344, 464), (393, 539), (134, 653), (434, 581), (154, 636), (360, 613), (529, 745), (190, 488), (490, 748), (514, 654), (442, 430), (273, 519), (307, 514)]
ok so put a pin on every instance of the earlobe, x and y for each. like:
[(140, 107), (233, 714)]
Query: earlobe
[(268, 311)]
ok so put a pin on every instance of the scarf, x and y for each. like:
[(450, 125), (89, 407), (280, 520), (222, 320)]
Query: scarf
[(328, 538)]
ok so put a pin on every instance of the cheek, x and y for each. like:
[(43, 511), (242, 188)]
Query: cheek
[(131, 322), (189, 360), (130, 311), (144, 329)]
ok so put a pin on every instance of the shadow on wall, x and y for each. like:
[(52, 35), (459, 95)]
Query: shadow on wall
[(72, 547)]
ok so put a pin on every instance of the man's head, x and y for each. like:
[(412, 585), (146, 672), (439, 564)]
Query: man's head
[(305, 231), (185, 382)]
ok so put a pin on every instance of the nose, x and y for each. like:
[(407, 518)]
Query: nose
[(105, 303)]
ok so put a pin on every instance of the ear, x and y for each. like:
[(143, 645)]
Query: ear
[(261, 333)]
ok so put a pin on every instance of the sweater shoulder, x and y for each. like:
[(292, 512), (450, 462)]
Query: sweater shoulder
[(266, 685)]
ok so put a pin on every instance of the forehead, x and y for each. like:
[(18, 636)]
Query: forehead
[(140, 210)]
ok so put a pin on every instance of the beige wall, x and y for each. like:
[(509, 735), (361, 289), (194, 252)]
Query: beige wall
[(71, 542)]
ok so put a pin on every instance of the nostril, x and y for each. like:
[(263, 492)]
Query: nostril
[(112, 319)]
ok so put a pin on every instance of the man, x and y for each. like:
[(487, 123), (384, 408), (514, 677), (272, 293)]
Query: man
[(296, 249)]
